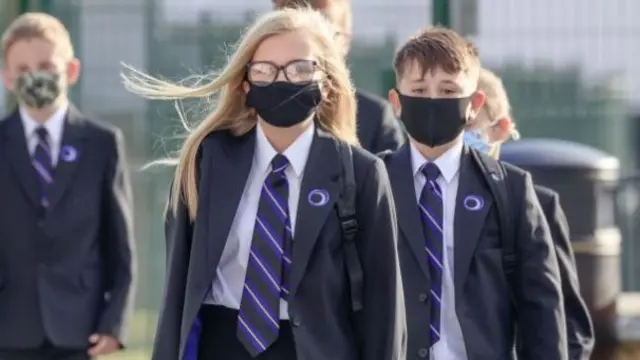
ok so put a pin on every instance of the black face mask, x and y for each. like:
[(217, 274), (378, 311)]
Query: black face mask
[(433, 122), (284, 104)]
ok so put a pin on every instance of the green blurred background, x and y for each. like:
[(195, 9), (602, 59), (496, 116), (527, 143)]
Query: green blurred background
[(569, 66)]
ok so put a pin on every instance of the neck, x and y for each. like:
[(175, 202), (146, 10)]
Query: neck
[(281, 138), (42, 115), (432, 153)]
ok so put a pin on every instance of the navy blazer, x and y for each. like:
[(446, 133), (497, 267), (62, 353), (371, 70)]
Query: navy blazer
[(483, 300), (67, 271), (323, 324)]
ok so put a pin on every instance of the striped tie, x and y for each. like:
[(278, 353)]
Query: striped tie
[(266, 281), (431, 213), (42, 163)]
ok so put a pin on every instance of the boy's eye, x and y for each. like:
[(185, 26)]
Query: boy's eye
[(46, 66), (449, 91)]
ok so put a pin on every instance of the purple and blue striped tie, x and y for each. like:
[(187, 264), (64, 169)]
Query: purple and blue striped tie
[(266, 281), (430, 206), (43, 164)]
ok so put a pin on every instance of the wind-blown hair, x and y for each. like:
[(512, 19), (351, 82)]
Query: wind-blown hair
[(335, 114)]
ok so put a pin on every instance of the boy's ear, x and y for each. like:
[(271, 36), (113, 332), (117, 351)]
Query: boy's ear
[(73, 71), (394, 99), (6, 79)]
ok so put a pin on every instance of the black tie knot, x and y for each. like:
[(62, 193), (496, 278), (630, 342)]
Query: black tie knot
[(42, 133), (430, 171)]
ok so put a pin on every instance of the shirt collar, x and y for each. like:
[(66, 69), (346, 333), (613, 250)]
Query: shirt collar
[(54, 124), (297, 153), (448, 163)]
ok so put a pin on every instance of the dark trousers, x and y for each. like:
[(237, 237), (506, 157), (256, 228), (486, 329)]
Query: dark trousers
[(218, 339), (46, 352)]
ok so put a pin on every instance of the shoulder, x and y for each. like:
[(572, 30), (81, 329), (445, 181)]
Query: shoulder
[(101, 129), (98, 131), (224, 137), (366, 165), (6, 120), (512, 173), (546, 196), (363, 158), (517, 181)]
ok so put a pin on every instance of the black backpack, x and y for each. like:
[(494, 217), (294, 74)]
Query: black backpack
[(346, 208)]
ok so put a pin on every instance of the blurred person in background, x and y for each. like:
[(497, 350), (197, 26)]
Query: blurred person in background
[(257, 258), (66, 242), (494, 125), (460, 295), (378, 128)]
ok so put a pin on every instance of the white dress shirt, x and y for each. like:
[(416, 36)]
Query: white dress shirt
[(451, 343), (54, 126), (229, 282)]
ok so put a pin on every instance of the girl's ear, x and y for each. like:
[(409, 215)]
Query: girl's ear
[(7, 80), (502, 130)]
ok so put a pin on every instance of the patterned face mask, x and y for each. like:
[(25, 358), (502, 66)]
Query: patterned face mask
[(38, 89)]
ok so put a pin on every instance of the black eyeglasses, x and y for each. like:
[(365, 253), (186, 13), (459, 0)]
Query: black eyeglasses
[(263, 73)]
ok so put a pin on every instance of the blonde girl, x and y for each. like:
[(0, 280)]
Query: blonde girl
[(256, 258)]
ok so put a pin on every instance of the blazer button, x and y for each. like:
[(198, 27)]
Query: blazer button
[(423, 353), (423, 297), (295, 321)]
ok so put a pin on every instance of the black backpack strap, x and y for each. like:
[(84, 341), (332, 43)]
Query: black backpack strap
[(346, 206), (496, 177)]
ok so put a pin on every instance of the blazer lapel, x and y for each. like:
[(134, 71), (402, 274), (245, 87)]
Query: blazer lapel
[(402, 184), (18, 156), (227, 172), (70, 156), (321, 173), (473, 202)]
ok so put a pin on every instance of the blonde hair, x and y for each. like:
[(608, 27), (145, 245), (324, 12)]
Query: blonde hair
[(496, 104), (336, 113), (41, 26)]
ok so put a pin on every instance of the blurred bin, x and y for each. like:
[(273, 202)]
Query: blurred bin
[(586, 179)]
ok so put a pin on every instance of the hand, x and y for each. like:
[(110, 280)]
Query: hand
[(103, 345)]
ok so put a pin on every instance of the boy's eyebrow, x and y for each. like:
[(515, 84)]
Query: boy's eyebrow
[(450, 82)]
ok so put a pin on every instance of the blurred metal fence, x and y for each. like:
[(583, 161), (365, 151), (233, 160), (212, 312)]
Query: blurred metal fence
[(570, 69)]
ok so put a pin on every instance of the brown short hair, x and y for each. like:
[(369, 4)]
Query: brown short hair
[(38, 25), (437, 47)]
